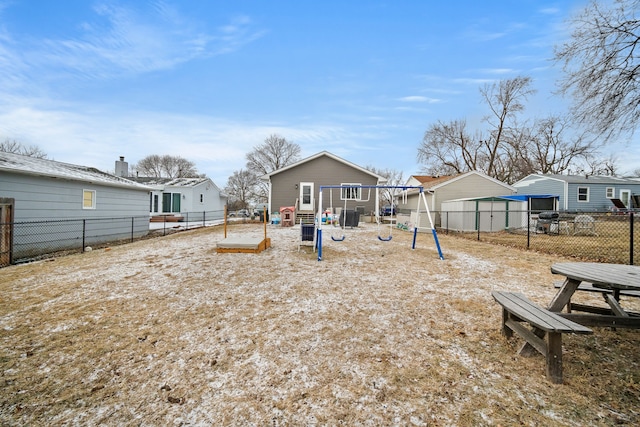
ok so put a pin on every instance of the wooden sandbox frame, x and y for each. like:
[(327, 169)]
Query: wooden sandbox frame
[(243, 244)]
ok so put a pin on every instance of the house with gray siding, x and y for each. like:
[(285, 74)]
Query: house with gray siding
[(439, 189), (40, 190), (298, 186), (586, 193)]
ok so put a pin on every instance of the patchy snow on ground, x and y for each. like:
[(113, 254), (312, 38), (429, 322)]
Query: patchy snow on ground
[(169, 332)]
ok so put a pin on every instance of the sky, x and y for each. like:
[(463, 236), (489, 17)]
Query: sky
[(90, 81)]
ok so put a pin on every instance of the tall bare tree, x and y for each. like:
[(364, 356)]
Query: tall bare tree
[(505, 100), (166, 166), (602, 66), (275, 153), (552, 146), (15, 147), (509, 150), (241, 188)]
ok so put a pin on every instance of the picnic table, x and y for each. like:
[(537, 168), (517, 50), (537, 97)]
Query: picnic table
[(611, 279), (547, 325)]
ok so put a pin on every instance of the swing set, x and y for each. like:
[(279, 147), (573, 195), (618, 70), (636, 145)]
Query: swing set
[(345, 190)]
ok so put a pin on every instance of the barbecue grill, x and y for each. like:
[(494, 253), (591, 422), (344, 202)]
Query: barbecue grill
[(545, 221)]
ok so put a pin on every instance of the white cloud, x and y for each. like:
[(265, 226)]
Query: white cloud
[(417, 98)]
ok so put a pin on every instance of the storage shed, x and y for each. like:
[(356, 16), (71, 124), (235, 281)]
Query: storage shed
[(491, 214)]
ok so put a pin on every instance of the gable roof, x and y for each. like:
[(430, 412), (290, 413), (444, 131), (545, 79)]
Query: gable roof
[(268, 176), (432, 183), (25, 165)]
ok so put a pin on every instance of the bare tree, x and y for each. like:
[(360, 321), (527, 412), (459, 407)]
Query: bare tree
[(602, 67), (447, 149), (508, 150), (275, 153), (505, 100), (15, 147), (553, 147), (394, 178), (166, 166), (241, 188)]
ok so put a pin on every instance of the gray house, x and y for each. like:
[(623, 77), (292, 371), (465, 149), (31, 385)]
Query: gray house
[(587, 193), (298, 185), (439, 189), (39, 190)]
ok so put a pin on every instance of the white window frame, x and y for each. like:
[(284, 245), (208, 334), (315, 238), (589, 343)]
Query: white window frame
[(93, 199), (610, 193), (586, 195), (348, 190)]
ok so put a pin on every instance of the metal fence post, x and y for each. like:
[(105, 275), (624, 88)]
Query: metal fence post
[(204, 218), (631, 238), (84, 231), (528, 229), (478, 223), (132, 219)]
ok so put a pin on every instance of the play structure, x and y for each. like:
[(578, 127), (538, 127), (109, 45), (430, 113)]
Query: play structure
[(243, 244), (325, 215)]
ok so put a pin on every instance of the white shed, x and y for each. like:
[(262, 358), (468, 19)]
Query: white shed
[(491, 214)]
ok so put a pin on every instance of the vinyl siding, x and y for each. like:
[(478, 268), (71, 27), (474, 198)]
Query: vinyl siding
[(322, 171), (39, 198)]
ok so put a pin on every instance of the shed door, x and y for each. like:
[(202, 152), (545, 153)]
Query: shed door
[(6, 231), (306, 196)]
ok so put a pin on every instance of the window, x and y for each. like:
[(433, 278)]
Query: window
[(171, 202), (611, 193), (583, 194), (352, 192), (201, 198), (88, 199), (155, 203)]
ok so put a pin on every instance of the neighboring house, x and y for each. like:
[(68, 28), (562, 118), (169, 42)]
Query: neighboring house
[(33, 189), (183, 195), (179, 195), (298, 186), (438, 189), (587, 193)]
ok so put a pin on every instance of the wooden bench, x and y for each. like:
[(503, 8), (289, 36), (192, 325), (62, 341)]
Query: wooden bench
[(516, 309)]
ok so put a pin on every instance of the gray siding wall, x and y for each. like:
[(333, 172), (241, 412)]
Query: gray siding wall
[(598, 200), (41, 198), (543, 186), (470, 186), (321, 171), (49, 217)]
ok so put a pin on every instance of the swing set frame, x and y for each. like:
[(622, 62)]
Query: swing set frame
[(421, 200)]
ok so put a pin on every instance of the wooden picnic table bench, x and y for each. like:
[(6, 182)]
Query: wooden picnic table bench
[(516, 309), (606, 293)]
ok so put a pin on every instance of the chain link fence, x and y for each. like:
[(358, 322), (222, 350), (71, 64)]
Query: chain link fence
[(32, 240), (588, 236)]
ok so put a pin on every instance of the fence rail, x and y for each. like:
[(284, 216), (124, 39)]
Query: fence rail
[(592, 236), (32, 240)]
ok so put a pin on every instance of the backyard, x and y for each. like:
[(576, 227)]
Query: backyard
[(168, 332)]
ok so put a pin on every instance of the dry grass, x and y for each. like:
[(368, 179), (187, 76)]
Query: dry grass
[(168, 332)]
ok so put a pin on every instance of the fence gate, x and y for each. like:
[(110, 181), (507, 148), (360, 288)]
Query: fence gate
[(6, 231)]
